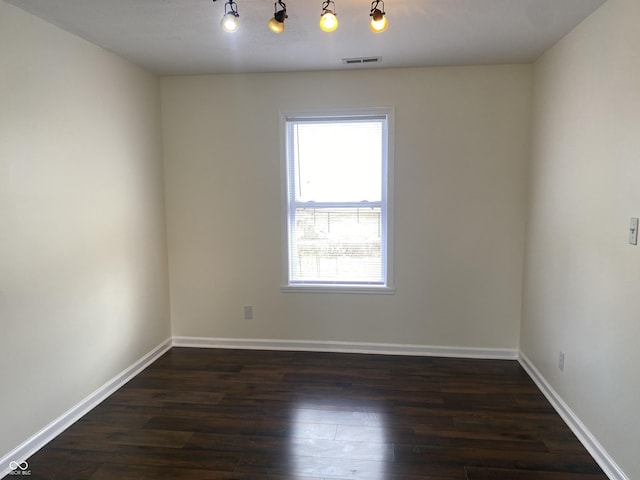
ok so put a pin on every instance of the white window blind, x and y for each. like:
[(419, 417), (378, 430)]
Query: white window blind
[(337, 200)]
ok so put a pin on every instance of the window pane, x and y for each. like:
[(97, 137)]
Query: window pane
[(337, 245), (338, 162), (337, 195)]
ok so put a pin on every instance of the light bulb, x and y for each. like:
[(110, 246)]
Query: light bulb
[(379, 22), (275, 26), (230, 23), (328, 21)]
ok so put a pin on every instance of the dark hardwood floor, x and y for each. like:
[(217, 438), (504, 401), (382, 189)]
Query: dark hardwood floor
[(241, 414)]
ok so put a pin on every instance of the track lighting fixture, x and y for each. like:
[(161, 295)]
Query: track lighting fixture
[(328, 19), (230, 21), (379, 22), (276, 24)]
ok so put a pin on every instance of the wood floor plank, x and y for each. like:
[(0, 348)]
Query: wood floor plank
[(245, 414)]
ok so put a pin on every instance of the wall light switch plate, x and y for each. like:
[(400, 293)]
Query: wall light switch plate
[(633, 231)]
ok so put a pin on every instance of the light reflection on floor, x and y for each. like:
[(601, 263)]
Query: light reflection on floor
[(339, 442)]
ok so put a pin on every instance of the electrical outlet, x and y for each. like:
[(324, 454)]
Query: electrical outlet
[(248, 312), (633, 231), (561, 361)]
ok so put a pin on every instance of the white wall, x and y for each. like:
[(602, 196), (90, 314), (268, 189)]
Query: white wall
[(83, 270), (582, 282), (462, 145)]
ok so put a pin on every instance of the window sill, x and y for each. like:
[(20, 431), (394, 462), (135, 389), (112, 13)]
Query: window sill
[(358, 289)]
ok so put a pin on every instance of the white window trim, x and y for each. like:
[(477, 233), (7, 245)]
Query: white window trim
[(389, 287)]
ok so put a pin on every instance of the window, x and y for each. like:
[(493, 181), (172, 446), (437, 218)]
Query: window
[(337, 195)]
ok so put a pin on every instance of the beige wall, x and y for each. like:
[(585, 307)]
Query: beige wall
[(582, 283), (462, 144), (83, 271)]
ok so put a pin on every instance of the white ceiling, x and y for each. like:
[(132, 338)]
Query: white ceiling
[(172, 37)]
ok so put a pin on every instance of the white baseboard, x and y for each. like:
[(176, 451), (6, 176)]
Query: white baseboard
[(64, 421), (346, 347), (597, 451)]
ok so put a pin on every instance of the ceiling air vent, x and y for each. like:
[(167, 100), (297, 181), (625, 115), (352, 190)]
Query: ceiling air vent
[(361, 60)]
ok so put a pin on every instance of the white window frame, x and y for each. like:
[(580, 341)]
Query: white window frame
[(387, 203)]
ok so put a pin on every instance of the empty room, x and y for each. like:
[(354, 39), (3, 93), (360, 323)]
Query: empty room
[(345, 240)]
